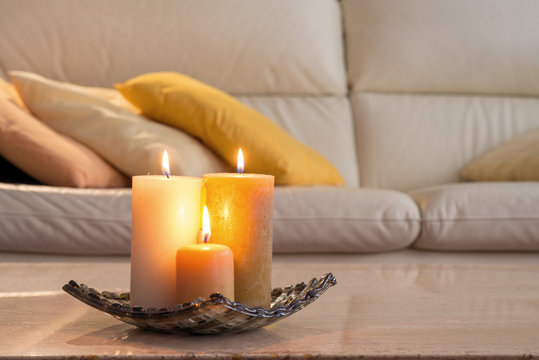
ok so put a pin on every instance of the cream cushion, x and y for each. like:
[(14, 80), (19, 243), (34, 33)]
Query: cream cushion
[(473, 47), (517, 159), (129, 141), (102, 42), (479, 216), (411, 141)]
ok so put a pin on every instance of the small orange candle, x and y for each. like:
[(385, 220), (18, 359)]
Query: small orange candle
[(203, 269)]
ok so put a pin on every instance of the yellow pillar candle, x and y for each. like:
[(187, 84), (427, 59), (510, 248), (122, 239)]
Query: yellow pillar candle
[(204, 269), (166, 215), (241, 214)]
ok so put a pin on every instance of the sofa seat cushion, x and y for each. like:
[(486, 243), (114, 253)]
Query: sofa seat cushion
[(479, 216), (46, 219), (328, 219)]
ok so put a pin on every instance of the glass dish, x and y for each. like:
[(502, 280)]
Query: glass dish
[(215, 315)]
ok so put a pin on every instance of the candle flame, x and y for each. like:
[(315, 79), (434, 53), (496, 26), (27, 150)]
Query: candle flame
[(165, 168), (206, 231), (241, 165)]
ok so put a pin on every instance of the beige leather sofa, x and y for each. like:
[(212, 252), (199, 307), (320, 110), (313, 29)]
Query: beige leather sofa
[(398, 95)]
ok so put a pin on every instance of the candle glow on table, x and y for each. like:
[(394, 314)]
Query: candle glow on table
[(241, 209), (204, 269), (165, 216)]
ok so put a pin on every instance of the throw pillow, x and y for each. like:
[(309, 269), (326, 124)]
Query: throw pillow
[(517, 159), (127, 140), (47, 156), (225, 124)]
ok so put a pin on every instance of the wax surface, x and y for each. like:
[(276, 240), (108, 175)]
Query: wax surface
[(204, 269), (241, 215), (166, 216)]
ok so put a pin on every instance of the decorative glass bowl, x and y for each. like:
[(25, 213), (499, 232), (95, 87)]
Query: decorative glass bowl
[(213, 316)]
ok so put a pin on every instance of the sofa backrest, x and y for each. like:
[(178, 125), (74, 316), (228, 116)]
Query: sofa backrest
[(286, 59), (435, 84), (415, 91)]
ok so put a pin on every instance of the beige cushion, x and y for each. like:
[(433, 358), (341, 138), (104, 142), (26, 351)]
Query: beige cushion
[(479, 216), (131, 142), (329, 219), (475, 46), (47, 156), (242, 47), (517, 159), (407, 142)]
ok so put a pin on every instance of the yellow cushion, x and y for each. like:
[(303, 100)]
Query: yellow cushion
[(515, 160), (224, 125)]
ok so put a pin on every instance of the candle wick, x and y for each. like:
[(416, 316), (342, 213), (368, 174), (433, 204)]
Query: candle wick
[(206, 238), (165, 173)]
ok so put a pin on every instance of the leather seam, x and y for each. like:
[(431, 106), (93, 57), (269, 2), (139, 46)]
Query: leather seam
[(62, 217), (482, 219), (346, 219)]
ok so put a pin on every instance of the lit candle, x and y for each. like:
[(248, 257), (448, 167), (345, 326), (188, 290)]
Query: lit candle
[(241, 209), (204, 269), (166, 215)]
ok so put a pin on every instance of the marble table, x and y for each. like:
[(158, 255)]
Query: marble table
[(406, 304)]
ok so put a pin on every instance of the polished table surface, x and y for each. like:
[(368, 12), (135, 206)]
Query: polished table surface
[(404, 304)]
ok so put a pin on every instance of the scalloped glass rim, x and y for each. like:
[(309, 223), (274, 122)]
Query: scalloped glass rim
[(215, 315)]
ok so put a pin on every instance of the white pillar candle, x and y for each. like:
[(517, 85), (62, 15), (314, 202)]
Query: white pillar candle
[(166, 216)]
